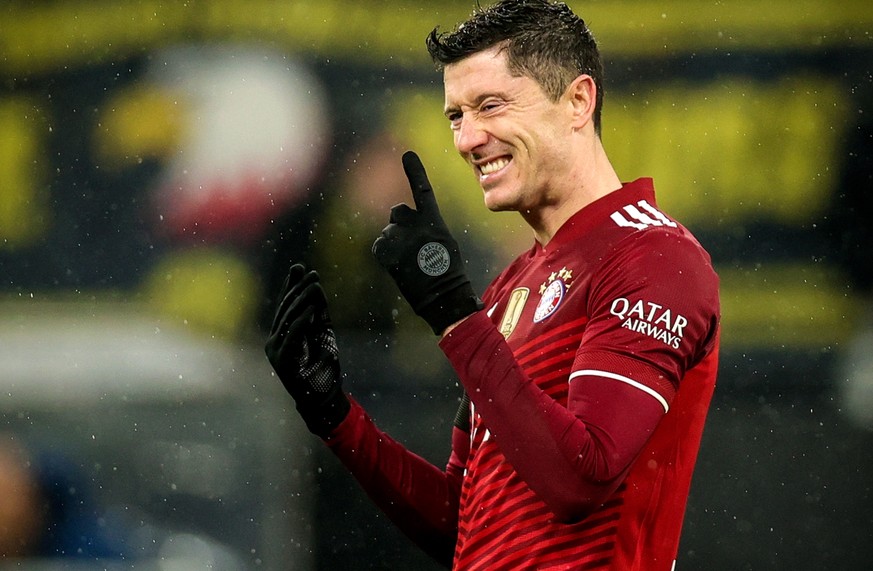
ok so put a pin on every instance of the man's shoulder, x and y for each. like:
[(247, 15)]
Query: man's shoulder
[(633, 219)]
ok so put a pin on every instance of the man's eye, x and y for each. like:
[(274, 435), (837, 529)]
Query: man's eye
[(455, 119)]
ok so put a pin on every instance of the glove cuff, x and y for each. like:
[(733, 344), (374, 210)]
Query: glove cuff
[(451, 307), (322, 419)]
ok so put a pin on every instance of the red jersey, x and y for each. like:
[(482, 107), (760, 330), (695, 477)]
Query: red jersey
[(590, 373)]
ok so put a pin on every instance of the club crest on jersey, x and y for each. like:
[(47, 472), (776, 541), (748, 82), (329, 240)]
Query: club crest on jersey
[(552, 292)]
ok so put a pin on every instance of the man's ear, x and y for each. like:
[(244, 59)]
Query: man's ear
[(581, 95)]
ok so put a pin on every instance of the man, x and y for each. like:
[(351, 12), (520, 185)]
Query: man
[(589, 363)]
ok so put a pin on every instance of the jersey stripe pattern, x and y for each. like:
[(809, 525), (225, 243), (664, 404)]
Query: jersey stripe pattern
[(586, 315), (503, 505)]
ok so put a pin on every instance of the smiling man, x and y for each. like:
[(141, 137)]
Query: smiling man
[(529, 151), (588, 364)]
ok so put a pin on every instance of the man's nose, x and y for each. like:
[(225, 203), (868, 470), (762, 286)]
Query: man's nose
[(470, 135)]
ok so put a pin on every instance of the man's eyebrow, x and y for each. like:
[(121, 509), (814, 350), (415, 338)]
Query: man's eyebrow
[(449, 109)]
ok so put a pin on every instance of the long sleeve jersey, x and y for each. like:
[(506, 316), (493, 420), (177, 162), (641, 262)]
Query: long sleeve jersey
[(590, 373)]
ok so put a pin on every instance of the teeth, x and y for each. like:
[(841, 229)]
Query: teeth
[(493, 166)]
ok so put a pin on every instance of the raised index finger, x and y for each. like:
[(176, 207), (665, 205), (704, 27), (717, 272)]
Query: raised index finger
[(422, 191)]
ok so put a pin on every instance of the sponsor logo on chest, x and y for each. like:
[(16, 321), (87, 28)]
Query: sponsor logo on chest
[(649, 318)]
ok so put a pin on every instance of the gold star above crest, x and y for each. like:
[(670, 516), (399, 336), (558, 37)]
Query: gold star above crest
[(564, 274)]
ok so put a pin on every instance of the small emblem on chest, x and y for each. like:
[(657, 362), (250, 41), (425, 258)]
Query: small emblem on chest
[(552, 293), (517, 299)]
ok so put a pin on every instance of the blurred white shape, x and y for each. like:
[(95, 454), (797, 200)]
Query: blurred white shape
[(66, 353), (254, 141), (856, 379), (187, 552)]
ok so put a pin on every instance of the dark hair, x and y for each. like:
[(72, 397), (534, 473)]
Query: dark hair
[(543, 40)]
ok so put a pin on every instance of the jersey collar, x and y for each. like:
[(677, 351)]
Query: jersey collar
[(592, 215)]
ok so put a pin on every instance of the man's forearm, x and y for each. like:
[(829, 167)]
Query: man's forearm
[(571, 464), (418, 497)]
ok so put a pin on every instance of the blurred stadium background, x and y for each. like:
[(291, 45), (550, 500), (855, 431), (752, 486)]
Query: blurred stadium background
[(161, 163)]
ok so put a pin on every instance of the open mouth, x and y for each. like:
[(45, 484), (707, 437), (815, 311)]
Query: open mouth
[(492, 167)]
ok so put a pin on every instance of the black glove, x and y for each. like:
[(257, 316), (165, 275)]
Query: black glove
[(421, 255), (303, 351)]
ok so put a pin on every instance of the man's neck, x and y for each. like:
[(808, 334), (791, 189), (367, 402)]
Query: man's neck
[(593, 179)]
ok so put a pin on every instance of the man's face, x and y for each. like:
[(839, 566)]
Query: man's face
[(508, 130)]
